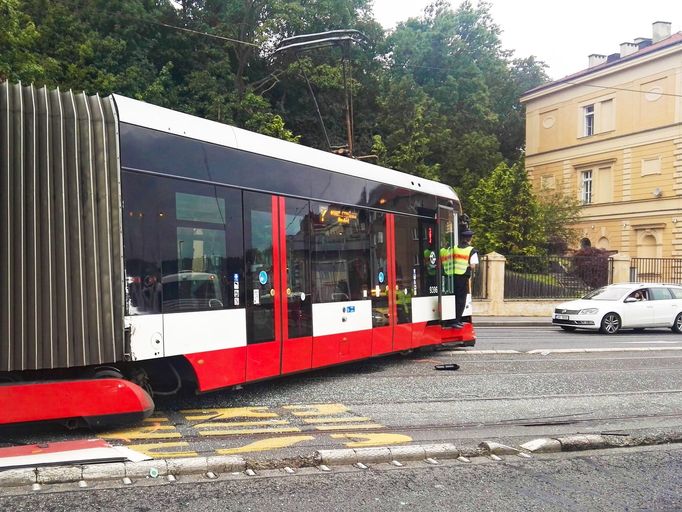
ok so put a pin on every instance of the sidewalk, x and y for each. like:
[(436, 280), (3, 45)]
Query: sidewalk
[(512, 321)]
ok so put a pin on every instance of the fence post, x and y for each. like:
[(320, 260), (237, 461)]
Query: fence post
[(621, 268), (495, 282)]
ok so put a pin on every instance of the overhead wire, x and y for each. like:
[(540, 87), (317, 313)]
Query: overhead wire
[(412, 66)]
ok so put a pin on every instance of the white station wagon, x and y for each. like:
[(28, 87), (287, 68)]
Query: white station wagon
[(623, 306)]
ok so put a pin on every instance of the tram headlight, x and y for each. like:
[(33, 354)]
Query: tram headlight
[(589, 311)]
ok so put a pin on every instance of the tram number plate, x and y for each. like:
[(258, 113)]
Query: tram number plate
[(562, 317)]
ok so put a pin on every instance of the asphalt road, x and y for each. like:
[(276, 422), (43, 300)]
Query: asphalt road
[(513, 397), (550, 337), (632, 480)]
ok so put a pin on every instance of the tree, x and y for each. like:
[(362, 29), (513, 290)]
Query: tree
[(18, 38), (404, 106), (505, 214), (456, 59), (510, 219), (557, 214)]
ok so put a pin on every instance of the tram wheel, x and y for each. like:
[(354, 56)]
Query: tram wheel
[(107, 372)]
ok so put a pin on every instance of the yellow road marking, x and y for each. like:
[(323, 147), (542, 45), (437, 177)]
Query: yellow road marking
[(273, 443), (349, 427), (155, 431), (340, 419), (154, 419), (161, 450), (223, 424), (316, 409), (378, 439), (231, 432), (228, 413)]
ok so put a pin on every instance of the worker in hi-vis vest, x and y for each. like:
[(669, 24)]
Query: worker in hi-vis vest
[(465, 259)]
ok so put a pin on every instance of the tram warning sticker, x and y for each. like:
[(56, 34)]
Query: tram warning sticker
[(263, 277)]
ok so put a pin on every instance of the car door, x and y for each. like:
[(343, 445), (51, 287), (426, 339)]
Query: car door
[(639, 313), (665, 308)]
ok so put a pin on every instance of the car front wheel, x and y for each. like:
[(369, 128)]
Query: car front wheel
[(610, 324), (677, 324)]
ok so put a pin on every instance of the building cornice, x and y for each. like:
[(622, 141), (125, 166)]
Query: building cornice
[(632, 209), (617, 143), (588, 75)]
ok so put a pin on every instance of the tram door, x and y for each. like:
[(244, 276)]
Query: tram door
[(447, 239), (277, 279)]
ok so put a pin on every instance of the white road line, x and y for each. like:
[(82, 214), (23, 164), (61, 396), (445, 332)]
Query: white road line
[(647, 342), (593, 350), (492, 352)]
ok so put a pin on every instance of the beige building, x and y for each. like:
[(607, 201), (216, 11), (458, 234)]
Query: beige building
[(611, 136)]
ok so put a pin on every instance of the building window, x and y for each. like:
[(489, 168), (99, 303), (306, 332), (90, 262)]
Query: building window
[(586, 187), (588, 118)]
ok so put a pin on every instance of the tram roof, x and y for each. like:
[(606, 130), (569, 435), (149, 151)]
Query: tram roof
[(162, 119)]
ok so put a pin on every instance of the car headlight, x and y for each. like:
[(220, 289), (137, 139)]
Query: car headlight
[(589, 311)]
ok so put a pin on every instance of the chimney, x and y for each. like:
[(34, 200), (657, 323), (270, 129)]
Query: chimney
[(595, 59), (628, 49), (661, 30), (643, 42)]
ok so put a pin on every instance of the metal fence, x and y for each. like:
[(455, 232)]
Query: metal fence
[(554, 277), (656, 270)]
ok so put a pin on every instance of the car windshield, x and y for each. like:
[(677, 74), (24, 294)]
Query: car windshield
[(606, 293)]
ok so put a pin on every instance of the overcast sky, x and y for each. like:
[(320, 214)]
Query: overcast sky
[(562, 34)]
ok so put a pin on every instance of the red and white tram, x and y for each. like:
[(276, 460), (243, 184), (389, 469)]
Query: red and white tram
[(141, 247)]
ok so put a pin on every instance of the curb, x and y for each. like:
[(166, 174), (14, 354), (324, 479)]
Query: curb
[(121, 470), (213, 466)]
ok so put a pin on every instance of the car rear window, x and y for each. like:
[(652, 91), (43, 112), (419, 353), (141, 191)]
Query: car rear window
[(676, 292)]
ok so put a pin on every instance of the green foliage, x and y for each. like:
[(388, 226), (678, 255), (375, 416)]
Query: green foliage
[(437, 97), (557, 212), (470, 86), (18, 38), (504, 213), (406, 147), (256, 116), (509, 218)]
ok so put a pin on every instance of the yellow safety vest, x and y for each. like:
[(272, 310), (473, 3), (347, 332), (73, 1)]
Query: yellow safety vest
[(461, 258), (447, 260)]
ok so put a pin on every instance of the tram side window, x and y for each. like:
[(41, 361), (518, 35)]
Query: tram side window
[(202, 248), (142, 197), (341, 253)]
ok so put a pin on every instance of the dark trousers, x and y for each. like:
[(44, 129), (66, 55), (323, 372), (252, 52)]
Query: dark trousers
[(461, 291)]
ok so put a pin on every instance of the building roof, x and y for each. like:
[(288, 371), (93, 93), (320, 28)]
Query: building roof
[(612, 60)]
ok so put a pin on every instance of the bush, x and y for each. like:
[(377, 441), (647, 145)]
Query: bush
[(591, 265)]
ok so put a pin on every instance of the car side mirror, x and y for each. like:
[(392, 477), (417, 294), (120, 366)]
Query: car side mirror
[(630, 299)]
